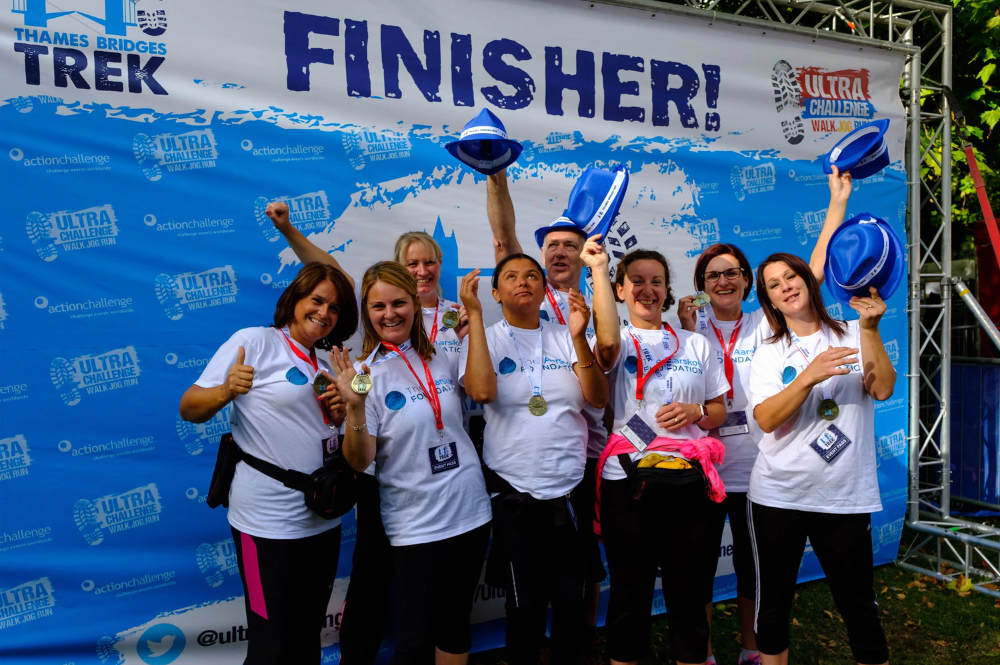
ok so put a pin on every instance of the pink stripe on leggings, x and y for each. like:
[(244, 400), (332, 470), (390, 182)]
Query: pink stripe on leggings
[(255, 590)]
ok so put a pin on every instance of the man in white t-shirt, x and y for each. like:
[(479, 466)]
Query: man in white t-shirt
[(561, 257)]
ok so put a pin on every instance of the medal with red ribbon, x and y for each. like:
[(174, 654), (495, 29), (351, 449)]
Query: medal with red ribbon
[(320, 382), (640, 376), (727, 351), (556, 306), (430, 391)]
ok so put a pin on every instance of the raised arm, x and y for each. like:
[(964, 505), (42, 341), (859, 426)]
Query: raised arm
[(198, 404), (840, 192), (592, 378), (880, 375), (605, 313), (358, 445), (305, 250), (480, 379), (500, 211)]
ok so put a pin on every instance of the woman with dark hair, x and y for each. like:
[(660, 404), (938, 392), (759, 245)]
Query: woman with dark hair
[(404, 412), (723, 272), (667, 391), (535, 379), (272, 377), (813, 385)]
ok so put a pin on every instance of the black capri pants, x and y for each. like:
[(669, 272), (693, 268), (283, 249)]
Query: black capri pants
[(735, 506), (286, 587), (436, 585), (843, 545), (679, 529)]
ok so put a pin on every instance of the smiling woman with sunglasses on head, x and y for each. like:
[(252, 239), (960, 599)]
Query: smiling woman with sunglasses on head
[(724, 274)]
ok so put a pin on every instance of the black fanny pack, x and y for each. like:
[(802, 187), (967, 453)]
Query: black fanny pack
[(329, 491), (645, 482)]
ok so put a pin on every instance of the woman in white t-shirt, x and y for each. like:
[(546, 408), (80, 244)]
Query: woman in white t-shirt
[(434, 505), (287, 554), (535, 380), (667, 391), (813, 386), (723, 272)]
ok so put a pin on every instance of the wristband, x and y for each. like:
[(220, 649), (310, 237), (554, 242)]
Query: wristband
[(704, 413)]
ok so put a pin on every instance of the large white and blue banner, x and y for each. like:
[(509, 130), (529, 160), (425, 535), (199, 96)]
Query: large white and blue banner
[(141, 142)]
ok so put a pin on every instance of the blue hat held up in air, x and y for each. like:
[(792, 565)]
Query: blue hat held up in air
[(593, 204), (863, 152), (484, 145), (863, 252)]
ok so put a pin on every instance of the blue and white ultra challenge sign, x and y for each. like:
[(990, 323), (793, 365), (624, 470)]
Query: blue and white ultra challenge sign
[(142, 142)]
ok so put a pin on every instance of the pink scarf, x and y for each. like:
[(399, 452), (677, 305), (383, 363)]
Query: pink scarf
[(707, 451)]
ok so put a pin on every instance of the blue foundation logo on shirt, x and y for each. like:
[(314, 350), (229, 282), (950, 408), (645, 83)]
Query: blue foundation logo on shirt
[(788, 375), (395, 400), (507, 366), (631, 363), (295, 375), (543, 315), (161, 644)]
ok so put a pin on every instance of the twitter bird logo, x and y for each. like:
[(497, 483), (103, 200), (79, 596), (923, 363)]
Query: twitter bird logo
[(161, 644)]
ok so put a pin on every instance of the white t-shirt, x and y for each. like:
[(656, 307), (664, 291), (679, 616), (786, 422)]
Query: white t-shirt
[(691, 376), (431, 487), (541, 455), (597, 435), (789, 473), (279, 421), (741, 448)]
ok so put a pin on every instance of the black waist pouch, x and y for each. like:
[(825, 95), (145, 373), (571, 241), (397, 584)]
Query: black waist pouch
[(648, 482), (329, 491), (222, 476)]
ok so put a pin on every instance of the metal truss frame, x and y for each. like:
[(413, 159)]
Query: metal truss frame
[(944, 546)]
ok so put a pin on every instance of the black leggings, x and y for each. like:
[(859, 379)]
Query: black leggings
[(735, 506), (843, 545), (364, 614), (678, 529), (436, 585), (286, 586)]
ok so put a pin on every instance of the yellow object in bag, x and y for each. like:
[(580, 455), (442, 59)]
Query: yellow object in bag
[(661, 461)]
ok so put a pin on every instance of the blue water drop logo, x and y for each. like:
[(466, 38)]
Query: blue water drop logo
[(295, 375), (631, 363), (543, 315), (788, 375), (507, 366), (395, 400)]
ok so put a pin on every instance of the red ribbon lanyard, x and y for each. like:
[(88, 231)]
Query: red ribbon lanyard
[(434, 328), (431, 395), (640, 377), (311, 359), (728, 351), (555, 305)]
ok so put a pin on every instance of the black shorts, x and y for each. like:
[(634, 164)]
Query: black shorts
[(436, 584)]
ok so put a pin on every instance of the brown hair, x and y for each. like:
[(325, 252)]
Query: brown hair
[(775, 318), (395, 274), (311, 275), (721, 249), (643, 255)]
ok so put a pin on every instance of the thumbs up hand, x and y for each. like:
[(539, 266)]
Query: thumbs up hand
[(240, 378)]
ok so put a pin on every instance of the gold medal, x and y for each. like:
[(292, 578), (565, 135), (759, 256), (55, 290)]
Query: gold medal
[(537, 405), (321, 384), (701, 299), (828, 409), (450, 319), (361, 383)]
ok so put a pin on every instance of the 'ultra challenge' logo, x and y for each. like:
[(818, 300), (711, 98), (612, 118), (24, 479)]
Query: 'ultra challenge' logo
[(117, 512), (26, 602), (71, 230), (366, 145), (306, 212), (186, 151), (197, 435), (118, 368), (196, 290), (217, 560), (829, 101), (14, 458)]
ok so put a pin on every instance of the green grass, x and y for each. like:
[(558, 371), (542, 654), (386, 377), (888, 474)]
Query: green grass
[(925, 623)]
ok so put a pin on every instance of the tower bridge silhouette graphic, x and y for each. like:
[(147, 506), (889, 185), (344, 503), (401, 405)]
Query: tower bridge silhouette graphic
[(119, 15)]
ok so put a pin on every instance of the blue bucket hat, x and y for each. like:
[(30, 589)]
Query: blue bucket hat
[(484, 145), (863, 152), (593, 204), (863, 252)]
